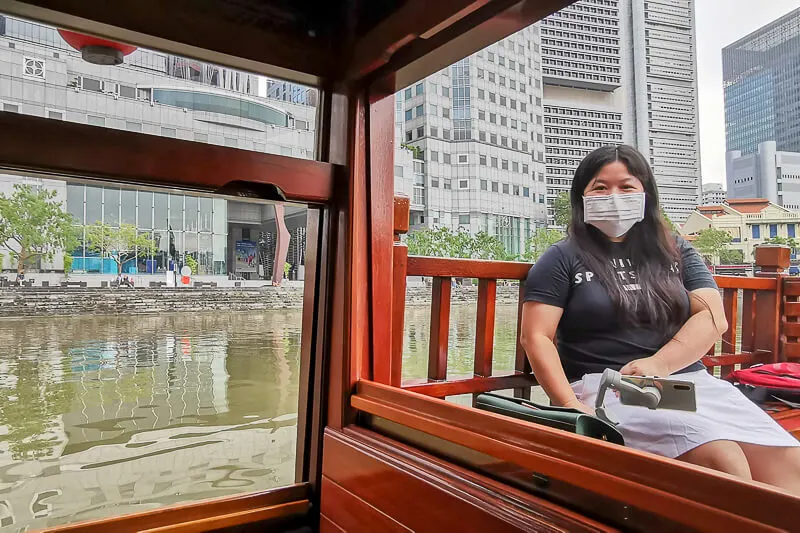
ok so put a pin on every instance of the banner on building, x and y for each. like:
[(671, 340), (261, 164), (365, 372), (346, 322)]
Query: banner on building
[(245, 260)]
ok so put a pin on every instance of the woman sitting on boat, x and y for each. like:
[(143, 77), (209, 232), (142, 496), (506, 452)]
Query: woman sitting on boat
[(622, 292)]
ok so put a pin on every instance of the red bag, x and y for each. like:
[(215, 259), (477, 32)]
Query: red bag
[(766, 383), (776, 376)]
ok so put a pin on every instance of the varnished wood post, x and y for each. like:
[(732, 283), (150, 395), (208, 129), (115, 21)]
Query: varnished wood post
[(440, 329), (399, 268), (484, 332), (521, 363), (773, 260), (381, 216)]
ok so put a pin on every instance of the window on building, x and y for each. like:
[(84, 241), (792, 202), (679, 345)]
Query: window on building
[(133, 126), (463, 220), (434, 156), (495, 186), (55, 115), (515, 166), (445, 91), (446, 158), (434, 131), (773, 230), (484, 185), (421, 132), (446, 112), (493, 138), (420, 110), (480, 73), (516, 190), (408, 93), (503, 100), (409, 114), (420, 89), (524, 169), (203, 137), (481, 94), (492, 77), (447, 184), (494, 162), (463, 184), (502, 81), (435, 183), (409, 136), (463, 159), (481, 114), (526, 192), (91, 84), (504, 141), (756, 229), (493, 118), (505, 188), (490, 57), (445, 133), (11, 108), (492, 98), (482, 159), (482, 136), (503, 121), (504, 164), (790, 230), (96, 121)]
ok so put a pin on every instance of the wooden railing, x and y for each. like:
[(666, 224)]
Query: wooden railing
[(764, 327)]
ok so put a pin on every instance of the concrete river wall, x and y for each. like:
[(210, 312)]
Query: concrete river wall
[(24, 302)]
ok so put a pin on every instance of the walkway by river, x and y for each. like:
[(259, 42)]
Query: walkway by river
[(104, 415)]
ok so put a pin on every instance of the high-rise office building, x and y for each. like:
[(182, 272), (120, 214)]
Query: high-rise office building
[(476, 127), (597, 72), (713, 194), (761, 74), (623, 71)]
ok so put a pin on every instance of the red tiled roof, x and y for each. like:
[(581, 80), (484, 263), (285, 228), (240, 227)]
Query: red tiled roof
[(748, 205)]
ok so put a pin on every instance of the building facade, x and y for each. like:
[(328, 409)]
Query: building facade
[(159, 94), (623, 71), (476, 128), (749, 221), (713, 194), (766, 173), (761, 76)]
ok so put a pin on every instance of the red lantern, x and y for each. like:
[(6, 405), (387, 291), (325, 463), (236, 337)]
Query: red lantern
[(96, 50)]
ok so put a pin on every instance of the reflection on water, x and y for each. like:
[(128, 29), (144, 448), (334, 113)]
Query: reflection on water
[(102, 416), (461, 346)]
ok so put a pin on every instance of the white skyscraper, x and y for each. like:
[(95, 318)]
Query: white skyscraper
[(500, 133)]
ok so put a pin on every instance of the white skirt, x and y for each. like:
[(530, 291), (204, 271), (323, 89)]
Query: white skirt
[(723, 413)]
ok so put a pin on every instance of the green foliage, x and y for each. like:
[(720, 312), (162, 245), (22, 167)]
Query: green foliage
[(710, 242), (671, 225), (540, 241), (67, 263), (562, 209), (416, 150), (442, 242), (731, 257), (785, 241), (120, 244), (286, 268), (34, 225), (2, 261), (191, 262)]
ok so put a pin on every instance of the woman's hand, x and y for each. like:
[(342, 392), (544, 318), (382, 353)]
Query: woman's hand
[(649, 366), (580, 406)]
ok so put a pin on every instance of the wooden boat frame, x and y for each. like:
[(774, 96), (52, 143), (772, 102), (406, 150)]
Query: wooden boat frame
[(371, 448)]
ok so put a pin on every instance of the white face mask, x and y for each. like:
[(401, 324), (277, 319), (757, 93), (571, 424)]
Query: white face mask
[(614, 214)]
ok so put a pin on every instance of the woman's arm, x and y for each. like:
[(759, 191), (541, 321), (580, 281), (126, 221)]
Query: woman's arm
[(539, 324), (705, 326)]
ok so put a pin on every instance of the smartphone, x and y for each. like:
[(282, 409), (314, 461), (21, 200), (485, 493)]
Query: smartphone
[(675, 394)]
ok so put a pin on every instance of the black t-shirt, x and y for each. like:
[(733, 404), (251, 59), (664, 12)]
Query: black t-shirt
[(591, 337)]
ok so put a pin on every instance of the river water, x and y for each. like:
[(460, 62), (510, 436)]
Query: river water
[(106, 415)]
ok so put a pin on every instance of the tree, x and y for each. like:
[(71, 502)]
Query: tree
[(191, 262), (562, 209), (711, 242), (540, 241), (731, 257), (443, 242), (485, 246), (671, 225), (120, 244), (785, 241), (34, 225)]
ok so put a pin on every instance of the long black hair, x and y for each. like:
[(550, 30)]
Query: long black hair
[(650, 246)]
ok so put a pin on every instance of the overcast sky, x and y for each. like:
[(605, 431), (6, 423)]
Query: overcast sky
[(719, 23)]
